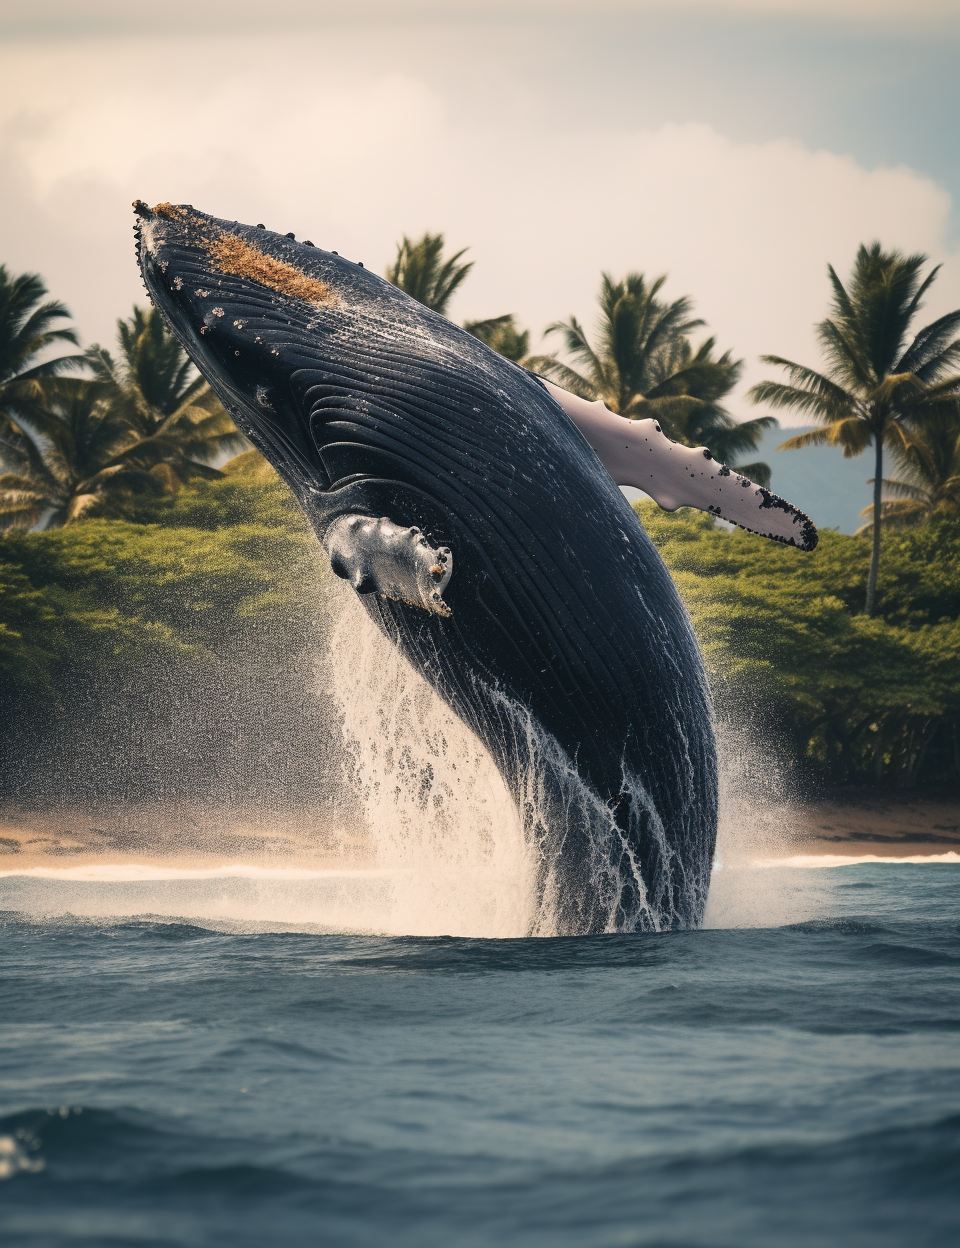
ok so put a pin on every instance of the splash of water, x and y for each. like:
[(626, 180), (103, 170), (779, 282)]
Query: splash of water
[(468, 858), (440, 820), (753, 883)]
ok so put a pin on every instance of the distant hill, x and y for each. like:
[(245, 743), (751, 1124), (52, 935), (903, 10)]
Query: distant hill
[(830, 489)]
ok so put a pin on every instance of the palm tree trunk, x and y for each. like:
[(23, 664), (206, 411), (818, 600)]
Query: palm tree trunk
[(875, 555)]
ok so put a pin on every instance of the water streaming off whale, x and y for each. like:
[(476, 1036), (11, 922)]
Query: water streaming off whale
[(442, 825), (466, 858)]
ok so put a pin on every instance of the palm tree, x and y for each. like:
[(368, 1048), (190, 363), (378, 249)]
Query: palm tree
[(645, 367), (421, 270), (28, 330), (75, 456), (502, 334), (928, 480), (879, 382), (154, 385)]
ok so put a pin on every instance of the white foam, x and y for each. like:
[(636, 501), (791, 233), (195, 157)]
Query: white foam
[(477, 860), (245, 897), (439, 817), (756, 826), (807, 861)]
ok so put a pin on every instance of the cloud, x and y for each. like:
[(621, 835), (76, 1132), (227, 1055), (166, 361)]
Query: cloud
[(308, 136)]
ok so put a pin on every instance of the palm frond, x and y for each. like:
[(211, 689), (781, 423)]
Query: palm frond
[(933, 344), (502, 334), (808, 402), (22, 505), (421, 270), (895, 515), (578, 345), (814, 437), (561, 375)]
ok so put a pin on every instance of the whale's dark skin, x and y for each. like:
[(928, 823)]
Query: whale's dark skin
[(527, 594)]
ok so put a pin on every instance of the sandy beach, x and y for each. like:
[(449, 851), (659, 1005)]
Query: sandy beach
[(886, 826), (882, 826), (187, 836)]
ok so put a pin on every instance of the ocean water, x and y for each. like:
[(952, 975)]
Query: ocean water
[(186, 1060)]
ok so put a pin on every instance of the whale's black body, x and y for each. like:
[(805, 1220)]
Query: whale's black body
[(558, 636)]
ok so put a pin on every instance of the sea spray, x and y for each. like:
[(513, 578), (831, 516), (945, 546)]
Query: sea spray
[(440, 819), (435, 841), (751, 885), (467, 857)]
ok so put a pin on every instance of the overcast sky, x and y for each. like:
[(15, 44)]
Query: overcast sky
[(735, 146)]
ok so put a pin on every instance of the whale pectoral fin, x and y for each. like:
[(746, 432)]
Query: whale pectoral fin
[(379, 557), (685, 476), (638, 453)]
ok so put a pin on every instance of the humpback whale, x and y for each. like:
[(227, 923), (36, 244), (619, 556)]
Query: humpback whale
[(463, 500)]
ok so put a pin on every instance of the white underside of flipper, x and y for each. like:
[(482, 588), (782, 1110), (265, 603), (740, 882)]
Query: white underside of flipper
[(638, 453)]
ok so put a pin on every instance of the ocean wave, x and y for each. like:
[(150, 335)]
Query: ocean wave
[(859, 1187)]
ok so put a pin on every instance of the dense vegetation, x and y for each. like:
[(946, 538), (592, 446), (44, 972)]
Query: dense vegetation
[(842, 697), (172, 652)]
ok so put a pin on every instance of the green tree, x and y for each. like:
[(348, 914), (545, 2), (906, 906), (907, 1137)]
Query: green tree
[(25, 661), (644, 366), (192, 625), (502, 334), (28, 330), (154, 386), (879, 381), (73, 456), (423, 272), (928, 473)]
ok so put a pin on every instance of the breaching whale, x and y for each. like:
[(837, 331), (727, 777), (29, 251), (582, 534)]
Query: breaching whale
[(487, 540)]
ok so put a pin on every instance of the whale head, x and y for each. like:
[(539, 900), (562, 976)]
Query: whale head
[(290, 336)]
